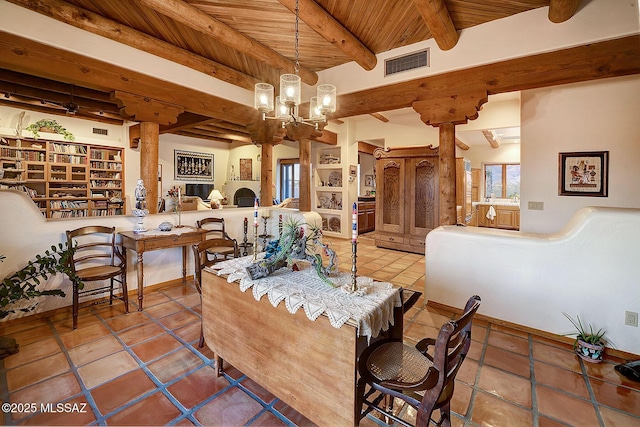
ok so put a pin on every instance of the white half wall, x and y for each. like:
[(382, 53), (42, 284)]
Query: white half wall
[(25, 233), (589, 269)]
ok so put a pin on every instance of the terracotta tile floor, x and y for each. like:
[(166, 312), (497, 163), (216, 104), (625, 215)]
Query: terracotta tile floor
[(144, 368)]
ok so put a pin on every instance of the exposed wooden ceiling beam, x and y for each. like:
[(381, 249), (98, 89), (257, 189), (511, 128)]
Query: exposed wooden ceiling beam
[(198, 20), (19, 102), (611, 58), (31, 57), (186, 120), (41, 96), (223, 135), (324, 24), (461, 145), (436, 16), (215, 128), (493, 140), (380, 117), (562, 10), (193, 133), (327, 137), (91, 22), (365, 147), (230, 126), (53, 86)]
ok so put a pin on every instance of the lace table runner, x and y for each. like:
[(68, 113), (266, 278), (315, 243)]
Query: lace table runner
[(372, 312)]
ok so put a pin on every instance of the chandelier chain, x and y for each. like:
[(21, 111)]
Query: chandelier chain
[(297, 67)]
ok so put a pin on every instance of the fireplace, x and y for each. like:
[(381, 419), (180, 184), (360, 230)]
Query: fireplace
[(244, 197)]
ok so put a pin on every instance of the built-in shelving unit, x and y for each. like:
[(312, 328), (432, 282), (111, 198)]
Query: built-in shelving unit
[(65, 179), (329, 189)]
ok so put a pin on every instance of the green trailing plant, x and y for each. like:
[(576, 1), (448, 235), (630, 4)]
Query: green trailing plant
[(23, 284), (586, 332), (34, 128)]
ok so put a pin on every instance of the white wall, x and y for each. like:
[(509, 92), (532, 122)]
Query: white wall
[(600, 115), (590, 268), (167, 143)]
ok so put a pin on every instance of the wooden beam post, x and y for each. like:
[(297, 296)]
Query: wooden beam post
[(266, 175), (562, 10), (447, 151), (149, 134), (305, 175), (445, 113), (304, 134)]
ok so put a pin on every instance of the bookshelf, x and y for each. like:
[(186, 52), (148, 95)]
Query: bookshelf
[(65, 179)]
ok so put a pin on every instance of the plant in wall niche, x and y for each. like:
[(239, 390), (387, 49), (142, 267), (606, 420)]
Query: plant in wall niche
[(589, 344), (51, 126)]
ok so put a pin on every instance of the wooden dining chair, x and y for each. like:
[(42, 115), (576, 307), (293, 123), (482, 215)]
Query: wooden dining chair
[(97, 258), (424, 378), (202, 259), (216, 230)]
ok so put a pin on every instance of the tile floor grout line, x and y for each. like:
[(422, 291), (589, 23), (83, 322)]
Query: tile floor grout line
[(467, 417), (592, 396), (534, 395), (160, 386), (84, 391)]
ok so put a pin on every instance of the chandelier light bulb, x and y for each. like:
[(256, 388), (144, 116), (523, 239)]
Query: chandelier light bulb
[(263, 97)]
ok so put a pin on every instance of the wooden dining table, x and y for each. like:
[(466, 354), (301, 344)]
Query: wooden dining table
[(311, 365)]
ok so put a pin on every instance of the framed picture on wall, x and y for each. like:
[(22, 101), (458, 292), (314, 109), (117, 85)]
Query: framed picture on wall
[(583, 174), (246, 170), (193, 166), (368, 180)]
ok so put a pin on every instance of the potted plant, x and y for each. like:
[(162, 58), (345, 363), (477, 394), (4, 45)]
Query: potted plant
[(589, 344), (18, 289), (49, 125)]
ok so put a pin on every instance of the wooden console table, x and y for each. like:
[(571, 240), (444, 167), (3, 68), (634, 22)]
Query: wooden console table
[(309, 365), (152, 240)]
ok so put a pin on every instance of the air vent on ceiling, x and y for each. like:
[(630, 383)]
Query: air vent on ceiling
[(406, 62), (99, 131)]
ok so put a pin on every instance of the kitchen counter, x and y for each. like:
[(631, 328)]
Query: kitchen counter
[(497, 203), (507, 214)]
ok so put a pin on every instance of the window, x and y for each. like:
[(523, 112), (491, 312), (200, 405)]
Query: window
[(502, 180), (289, 178)]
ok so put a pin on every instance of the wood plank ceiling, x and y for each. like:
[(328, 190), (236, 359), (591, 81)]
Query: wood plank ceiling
[(243, 42)]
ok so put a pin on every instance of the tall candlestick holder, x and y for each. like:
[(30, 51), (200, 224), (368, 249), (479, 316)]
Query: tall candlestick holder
[(255, 241), (244, 245), (354, 248), (264, 234), (354, 266), (255, 229)]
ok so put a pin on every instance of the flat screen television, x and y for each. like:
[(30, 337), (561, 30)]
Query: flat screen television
[(200, 190)]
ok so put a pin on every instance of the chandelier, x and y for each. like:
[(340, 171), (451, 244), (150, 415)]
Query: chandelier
[(286, 105)]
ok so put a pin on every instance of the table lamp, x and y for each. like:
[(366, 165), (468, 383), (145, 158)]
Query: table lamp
[(214, 197)]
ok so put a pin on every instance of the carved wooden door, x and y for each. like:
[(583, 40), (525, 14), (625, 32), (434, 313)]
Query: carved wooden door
[(423, 201), (390, 188)]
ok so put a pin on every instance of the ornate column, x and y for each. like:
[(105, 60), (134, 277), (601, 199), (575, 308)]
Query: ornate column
[(445, 113), (151, 114), (266, 133)]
